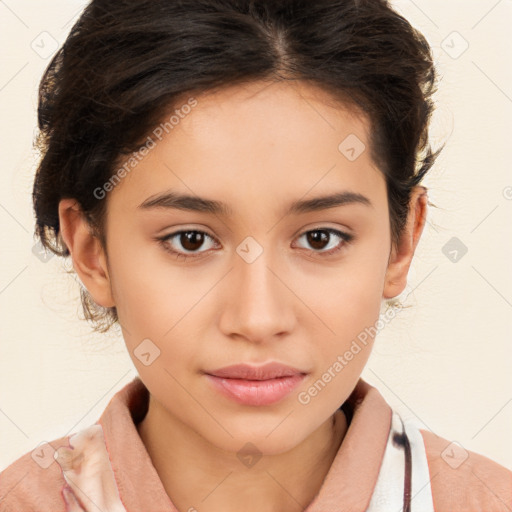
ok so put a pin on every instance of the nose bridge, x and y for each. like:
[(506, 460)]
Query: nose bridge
[(260, 304), (255, 269)]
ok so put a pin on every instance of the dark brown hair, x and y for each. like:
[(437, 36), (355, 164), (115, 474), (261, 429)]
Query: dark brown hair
[(126, 63)]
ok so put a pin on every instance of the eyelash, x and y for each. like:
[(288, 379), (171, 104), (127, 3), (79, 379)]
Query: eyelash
[(346, 238)]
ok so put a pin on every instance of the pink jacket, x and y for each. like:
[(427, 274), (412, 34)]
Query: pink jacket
[(383, 464)]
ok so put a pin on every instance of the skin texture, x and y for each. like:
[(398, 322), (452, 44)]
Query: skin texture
[(257, 148)]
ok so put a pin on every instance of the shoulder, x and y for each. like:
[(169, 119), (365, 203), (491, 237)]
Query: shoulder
[(462, 480), (60, 475), (34, 481)]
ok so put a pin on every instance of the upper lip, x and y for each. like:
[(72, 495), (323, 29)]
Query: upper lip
[(244, 371)]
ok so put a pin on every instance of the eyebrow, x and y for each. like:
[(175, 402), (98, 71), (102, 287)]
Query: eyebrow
[(204, 205)]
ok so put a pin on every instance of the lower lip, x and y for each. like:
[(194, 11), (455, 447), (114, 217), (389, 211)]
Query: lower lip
[(256, 392)]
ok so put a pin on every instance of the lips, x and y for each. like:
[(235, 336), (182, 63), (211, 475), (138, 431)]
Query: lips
[(247, 372), (255, 385)]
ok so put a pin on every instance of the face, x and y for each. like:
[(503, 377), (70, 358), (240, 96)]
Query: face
[(256, 281)]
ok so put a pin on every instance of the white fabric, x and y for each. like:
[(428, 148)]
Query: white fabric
[(421, 500), (388, 495)]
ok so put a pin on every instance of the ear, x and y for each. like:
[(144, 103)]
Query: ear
[(401, 256), (89, 259)]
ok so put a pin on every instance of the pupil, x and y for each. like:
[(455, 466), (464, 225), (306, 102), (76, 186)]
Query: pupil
[(317, 239), (191, 240)]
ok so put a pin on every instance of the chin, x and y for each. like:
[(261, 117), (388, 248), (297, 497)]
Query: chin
[(251, 442)]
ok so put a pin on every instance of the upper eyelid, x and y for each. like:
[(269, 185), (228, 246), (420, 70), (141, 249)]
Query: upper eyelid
[(166, 239), (180, 231), (318, 228), (344, 235)]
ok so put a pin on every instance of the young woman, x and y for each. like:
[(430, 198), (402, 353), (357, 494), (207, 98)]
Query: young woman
[(237, 183)]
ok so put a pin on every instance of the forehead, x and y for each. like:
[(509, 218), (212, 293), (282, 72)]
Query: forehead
[(254, 143)]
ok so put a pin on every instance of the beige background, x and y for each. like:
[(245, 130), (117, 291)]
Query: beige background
[(446, 361)]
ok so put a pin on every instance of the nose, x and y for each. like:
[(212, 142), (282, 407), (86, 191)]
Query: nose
[(259, 306)]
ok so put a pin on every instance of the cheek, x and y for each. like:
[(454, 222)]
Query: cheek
[(348, 301), (350, 307), (347, 296), (351, 314), (162, 302), (150, 293)]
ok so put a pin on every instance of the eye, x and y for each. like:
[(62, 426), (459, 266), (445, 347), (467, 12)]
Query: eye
[(189, 240), (326, 237)]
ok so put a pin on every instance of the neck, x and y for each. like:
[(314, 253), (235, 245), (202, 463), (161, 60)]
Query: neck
[(199, 475)]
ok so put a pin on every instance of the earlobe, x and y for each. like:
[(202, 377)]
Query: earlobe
[(88, 256), (401, 255)]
